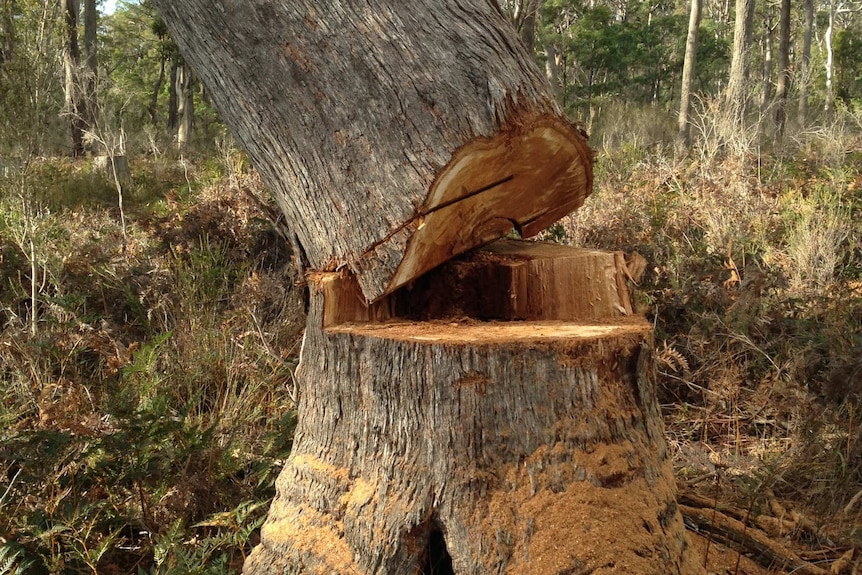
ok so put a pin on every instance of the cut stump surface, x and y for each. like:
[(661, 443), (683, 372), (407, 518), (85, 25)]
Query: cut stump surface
[(521, 447)]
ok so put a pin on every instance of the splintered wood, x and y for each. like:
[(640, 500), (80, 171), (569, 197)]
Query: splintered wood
[(505, 281)]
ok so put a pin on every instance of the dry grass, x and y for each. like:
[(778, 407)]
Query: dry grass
[(146, 413), (753, 284)]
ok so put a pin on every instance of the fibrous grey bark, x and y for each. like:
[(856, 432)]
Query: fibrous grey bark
[(396, 136), (373, 123), (529, 447), (736, 96)]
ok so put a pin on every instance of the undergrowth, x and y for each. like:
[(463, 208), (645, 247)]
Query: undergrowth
[(146, 401), (754, 284)]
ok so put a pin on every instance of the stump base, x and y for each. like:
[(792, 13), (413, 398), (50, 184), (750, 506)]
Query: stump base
[(528, 447)]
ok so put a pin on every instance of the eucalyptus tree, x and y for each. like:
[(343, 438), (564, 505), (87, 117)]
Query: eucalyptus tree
[(804, 75), (737, 93), (395, 137), (784, 71)]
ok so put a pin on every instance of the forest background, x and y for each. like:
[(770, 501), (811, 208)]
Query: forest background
[(151, 306)]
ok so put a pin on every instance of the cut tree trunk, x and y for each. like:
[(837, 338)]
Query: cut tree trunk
[(394, 135), (497, 415), (453, 444)]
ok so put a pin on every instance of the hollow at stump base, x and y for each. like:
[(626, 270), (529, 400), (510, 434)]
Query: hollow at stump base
[(532, 446)]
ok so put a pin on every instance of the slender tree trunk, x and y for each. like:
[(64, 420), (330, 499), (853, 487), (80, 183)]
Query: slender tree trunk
[(551, 69), (783, 68), (528, 26), (736, 96), (90, 76), (829, 98), (153, 108), (185, 106), (766, 92), (805, 63), (173, 97), (74, 107), (688, 73)]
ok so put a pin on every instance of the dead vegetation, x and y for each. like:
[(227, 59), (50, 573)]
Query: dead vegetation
[(147, 394), (753, 284)]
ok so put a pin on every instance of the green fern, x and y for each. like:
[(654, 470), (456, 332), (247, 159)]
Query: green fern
[(12, 560)]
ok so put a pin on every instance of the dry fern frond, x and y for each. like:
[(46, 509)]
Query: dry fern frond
[(670, 357)]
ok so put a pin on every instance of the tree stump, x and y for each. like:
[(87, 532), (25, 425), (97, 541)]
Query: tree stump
[(475, 428)]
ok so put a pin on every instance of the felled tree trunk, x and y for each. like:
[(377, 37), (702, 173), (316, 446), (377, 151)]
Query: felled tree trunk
[(469, 445), (394, 135)]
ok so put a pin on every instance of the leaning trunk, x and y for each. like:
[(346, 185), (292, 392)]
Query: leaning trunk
[(393, 135), (473, 413)]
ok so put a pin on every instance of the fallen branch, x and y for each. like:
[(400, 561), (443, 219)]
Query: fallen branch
[(753, 542)]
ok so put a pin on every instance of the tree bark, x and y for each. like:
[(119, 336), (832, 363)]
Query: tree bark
[(528, 26), (525, 447), (74, 106), (7, 32), (688, 73), (173, 98), (805, 63), (551, 68), (393, 135), (829, 64), (768, 33), (90, 76), (783, 68), (185, 106), (153, 108), (736, 97), (496, 414)]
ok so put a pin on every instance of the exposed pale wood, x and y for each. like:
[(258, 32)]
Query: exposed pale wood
[(394, 135), (506, 280), (533, 448), (514, 181)]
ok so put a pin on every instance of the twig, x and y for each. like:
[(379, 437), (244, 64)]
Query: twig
[(9, 488)]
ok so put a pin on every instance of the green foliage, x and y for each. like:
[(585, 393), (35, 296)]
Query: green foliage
[(848, 65)]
